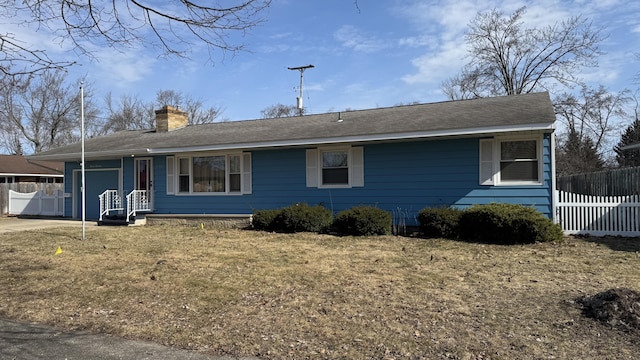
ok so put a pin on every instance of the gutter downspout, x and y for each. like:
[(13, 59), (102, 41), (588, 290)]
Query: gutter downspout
[(554, 193)]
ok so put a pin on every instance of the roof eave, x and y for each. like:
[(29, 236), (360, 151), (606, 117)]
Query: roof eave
[(630, 147), (31, 174), (358, 138), (93, 155), (299, 142)]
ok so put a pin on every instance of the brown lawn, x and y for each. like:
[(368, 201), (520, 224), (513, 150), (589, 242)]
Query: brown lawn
[(302, 296)]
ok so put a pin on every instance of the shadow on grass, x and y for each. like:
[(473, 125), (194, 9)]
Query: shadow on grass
[(616, 243), (61, 234)]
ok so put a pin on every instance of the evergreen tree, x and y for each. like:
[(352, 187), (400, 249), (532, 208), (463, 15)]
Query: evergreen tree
[(631, 136), (578, 155)]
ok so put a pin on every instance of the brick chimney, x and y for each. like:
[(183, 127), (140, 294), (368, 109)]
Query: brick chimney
[(168, 118)]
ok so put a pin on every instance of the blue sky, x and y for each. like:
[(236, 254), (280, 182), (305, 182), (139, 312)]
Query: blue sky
[(380, 53)]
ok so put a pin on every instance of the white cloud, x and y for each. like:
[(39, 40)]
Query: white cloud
[(273, 48), (418, 41), (442, 27), (353, 38), (434, 67), (122, 69), (611, 69)]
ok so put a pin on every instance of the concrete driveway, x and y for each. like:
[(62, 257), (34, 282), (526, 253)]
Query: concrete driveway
[(20, 341), (13, 224)]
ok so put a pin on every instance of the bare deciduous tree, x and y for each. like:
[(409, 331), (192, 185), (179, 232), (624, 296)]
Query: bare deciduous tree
[(42, 113), (198, 113), (172, 29), (588, 120), (280, 110), (592, 113), (18, 58), (128, 113), (132, 113), (507, 58)]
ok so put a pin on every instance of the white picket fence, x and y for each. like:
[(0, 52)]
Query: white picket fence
[(36, 203), (598, 215)]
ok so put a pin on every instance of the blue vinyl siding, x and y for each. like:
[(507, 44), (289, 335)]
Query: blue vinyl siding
[(538, 196), (406, 176), (128, 175)]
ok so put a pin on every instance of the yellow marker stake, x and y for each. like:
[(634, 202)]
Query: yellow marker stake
[(59, 251), (202, 226)]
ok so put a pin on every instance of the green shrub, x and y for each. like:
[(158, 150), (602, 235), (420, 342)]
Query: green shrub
[(363, 221), (303, 218), (440, 222), (265, 219), (507, 224)]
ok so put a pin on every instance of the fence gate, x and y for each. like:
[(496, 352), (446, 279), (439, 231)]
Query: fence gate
[(598, 215), (36, 203)]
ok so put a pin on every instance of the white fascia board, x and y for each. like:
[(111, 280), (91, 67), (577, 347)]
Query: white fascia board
[(352, 139)]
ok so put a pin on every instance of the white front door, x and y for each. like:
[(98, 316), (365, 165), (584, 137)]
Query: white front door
[(144, 177)]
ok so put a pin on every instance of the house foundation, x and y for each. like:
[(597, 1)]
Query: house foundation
[(216, 221)]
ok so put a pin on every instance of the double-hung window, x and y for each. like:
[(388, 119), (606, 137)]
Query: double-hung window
[(235, 173), (210, 174), (516, 161), (519, 161), (335, 167)]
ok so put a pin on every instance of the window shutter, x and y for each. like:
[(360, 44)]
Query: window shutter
[(171, 175), (357, 166), (486, 162), (246, 173), (312, 168)]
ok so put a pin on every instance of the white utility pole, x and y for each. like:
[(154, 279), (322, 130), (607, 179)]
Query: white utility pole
[(83, 189)]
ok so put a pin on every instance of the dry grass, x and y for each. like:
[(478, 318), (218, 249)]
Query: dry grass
[(318, 296)]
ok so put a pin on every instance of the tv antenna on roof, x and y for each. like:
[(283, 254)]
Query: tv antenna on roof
[(299, 98)]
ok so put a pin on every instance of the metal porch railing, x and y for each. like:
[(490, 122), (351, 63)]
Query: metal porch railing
[(137, 200), (110, 201)]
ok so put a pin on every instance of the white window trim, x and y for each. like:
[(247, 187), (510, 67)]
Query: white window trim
[(496, 178), (245, 171), (355, 167)]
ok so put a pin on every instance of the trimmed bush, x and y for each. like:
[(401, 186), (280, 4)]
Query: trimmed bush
[(265, 219), (303, 218), (507, 224), (440, 222), (363, 221)]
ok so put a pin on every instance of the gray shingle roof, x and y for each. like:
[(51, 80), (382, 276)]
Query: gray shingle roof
[(450, 118), (19, 165)]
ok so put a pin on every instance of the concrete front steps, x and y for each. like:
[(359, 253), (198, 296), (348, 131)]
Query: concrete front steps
[(121, 220)]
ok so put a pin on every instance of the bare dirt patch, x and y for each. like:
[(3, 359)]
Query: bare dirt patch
[(619, 308), (302, 296)]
